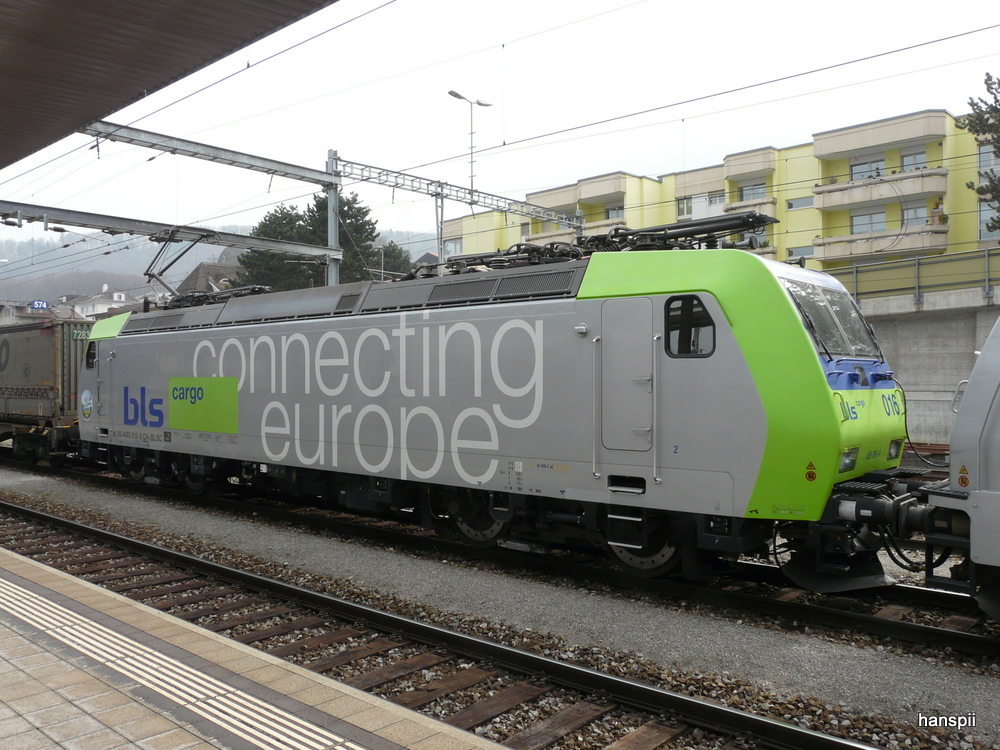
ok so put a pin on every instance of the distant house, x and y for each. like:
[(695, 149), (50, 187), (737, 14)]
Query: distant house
[(427, 259), (209, 277), (16, 313), (97, 306)]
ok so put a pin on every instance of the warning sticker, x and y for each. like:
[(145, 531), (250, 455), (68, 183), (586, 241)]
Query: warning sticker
[(810, 476), (811, 466), (963, 481), (963, 470)]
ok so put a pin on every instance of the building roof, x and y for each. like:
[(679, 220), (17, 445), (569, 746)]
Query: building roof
[(108, 295), (208, 277), (66, 63)]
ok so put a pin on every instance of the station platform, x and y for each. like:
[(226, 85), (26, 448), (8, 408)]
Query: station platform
[(83, 668)]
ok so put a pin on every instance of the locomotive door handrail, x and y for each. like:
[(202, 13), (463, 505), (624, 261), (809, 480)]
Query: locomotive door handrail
[(957, 398), (843, 406), (597, 382), (655, 431)]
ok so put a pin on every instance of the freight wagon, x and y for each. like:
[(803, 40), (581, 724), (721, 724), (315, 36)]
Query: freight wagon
[(39, 375)]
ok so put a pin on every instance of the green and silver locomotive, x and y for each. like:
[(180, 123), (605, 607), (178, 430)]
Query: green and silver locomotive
[(648, 392)]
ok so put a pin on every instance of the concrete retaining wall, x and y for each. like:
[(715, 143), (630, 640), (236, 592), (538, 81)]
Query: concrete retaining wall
[(931, 347)]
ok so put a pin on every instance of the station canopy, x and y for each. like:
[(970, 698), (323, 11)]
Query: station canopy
[(66, 63)]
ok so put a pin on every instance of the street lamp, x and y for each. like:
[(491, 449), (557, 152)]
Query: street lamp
[(472, 132)]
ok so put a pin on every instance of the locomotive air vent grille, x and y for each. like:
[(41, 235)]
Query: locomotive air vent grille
[(166, 321), (390, 296), (346, 304), (138, 324), (536, 285), (462, 291)]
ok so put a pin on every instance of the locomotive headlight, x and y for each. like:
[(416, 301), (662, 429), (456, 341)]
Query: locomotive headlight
[(895, 449), (848, 460)]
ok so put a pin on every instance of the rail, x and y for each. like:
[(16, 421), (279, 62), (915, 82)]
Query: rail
[(763, 731)]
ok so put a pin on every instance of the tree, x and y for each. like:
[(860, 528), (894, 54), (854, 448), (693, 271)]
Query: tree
[(984, 124), (358, 234)]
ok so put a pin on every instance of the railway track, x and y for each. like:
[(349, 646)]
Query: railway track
[(906, 613), (415, 664)]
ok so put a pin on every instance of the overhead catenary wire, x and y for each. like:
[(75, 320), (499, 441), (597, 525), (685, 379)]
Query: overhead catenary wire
[(617, 118), (581, 126), (726, 92)]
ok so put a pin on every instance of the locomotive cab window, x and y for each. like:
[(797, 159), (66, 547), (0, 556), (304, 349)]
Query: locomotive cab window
[(91, 357), (690, 328), (834, 321)]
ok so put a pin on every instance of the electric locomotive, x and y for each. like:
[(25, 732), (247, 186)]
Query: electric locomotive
[(647, 392)]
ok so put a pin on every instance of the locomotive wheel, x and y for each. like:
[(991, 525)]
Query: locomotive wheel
[(137, 472), (476, 526), (135, 467), (180, 469), (193, 483), (657, 558)]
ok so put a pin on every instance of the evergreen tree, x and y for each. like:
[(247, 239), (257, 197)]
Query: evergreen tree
[(358, 234), (984, 124)]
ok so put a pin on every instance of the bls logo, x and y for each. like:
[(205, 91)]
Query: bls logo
[(140, 411)]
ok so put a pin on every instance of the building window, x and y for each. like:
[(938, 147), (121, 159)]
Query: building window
[(753, 191), (914, 160), (988, 161), (118, 296), (690, 328), (794, 203), (863, 170), (914, 215), (806, 251), (452, 247), (684, 207), (870, 221), (717, 199), (615, 212), (986, 213)]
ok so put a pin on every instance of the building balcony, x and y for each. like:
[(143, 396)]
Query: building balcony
[(923, 239), (564, 234), (891, 188), (749, 164), (766, 206)]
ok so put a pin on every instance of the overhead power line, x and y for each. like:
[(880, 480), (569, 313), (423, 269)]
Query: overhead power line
[(726, 92)]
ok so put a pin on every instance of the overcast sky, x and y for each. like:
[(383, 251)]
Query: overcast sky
[(374, 87)]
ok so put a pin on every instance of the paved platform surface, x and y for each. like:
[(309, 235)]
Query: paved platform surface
[(83, 668)]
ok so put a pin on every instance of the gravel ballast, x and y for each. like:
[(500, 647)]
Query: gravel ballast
[(803, 678)]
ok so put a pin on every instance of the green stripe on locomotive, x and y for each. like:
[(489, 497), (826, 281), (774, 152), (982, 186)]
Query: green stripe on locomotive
[(807, 431)]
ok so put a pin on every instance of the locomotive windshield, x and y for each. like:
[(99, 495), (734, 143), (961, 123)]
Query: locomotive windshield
[(834, 320)]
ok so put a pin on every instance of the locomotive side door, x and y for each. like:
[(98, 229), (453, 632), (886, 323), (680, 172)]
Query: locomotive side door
[(627, 374), (97, 372)]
